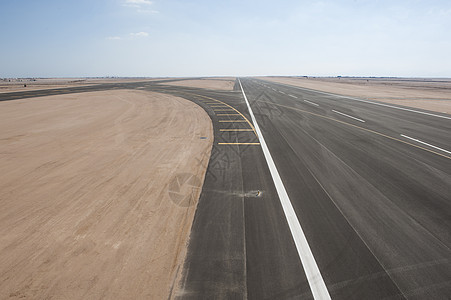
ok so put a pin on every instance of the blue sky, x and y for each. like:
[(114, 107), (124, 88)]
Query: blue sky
[(62, 38)]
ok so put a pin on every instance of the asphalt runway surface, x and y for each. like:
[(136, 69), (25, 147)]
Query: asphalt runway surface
[(370, 185)]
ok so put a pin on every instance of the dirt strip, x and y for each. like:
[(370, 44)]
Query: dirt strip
[(225, 84), (98, 193)]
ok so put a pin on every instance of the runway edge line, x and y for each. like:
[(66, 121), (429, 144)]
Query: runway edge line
[(312, 272)]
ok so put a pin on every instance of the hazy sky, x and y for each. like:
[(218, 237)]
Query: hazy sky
[(59, 38)]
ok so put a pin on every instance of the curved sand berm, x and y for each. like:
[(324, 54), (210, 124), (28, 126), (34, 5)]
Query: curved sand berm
[(216, 83), (96, 193)]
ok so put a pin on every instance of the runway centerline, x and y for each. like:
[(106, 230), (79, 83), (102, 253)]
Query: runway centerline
[(314, 277)]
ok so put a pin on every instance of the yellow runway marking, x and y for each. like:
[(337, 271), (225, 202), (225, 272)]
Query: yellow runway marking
[(250, 129), (227, 109), (361, 128), (238, 143), (245, 119), (232, 121)]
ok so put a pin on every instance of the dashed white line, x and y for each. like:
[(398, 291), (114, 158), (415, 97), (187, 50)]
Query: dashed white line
[(282, 92), (366, 101), (293, 96), (312, 103), (315, 280), (337, 112), (438, 148)]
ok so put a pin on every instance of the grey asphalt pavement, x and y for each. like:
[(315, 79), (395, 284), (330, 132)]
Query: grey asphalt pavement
[(375, 206)]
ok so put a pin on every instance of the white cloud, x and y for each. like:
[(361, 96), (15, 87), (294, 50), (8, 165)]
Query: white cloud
[(147, 11), (141, 6), (138, 2), (132, 35), (139, 34)]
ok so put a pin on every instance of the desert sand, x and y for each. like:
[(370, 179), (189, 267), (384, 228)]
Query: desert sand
[(97, 193), (225, 84), (428, 94)]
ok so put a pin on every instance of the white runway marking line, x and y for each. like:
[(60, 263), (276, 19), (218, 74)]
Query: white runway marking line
[(315, 280), (293, 96), (366, 101), (282, 92), (438, 148), (311, 103), (340, 113)]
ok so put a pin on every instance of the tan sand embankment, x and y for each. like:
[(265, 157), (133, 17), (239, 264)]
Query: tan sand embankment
[(433, 95), (98, 193), (225, 84)]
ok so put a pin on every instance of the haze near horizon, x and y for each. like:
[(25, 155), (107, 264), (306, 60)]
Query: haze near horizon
[(206, 38)]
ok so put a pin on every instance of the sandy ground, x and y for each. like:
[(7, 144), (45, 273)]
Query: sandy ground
[(428, 94), (17, 85), (97, 193), (225, 84)]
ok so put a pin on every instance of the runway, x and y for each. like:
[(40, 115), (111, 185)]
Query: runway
[(374, 205), (370, 186)]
